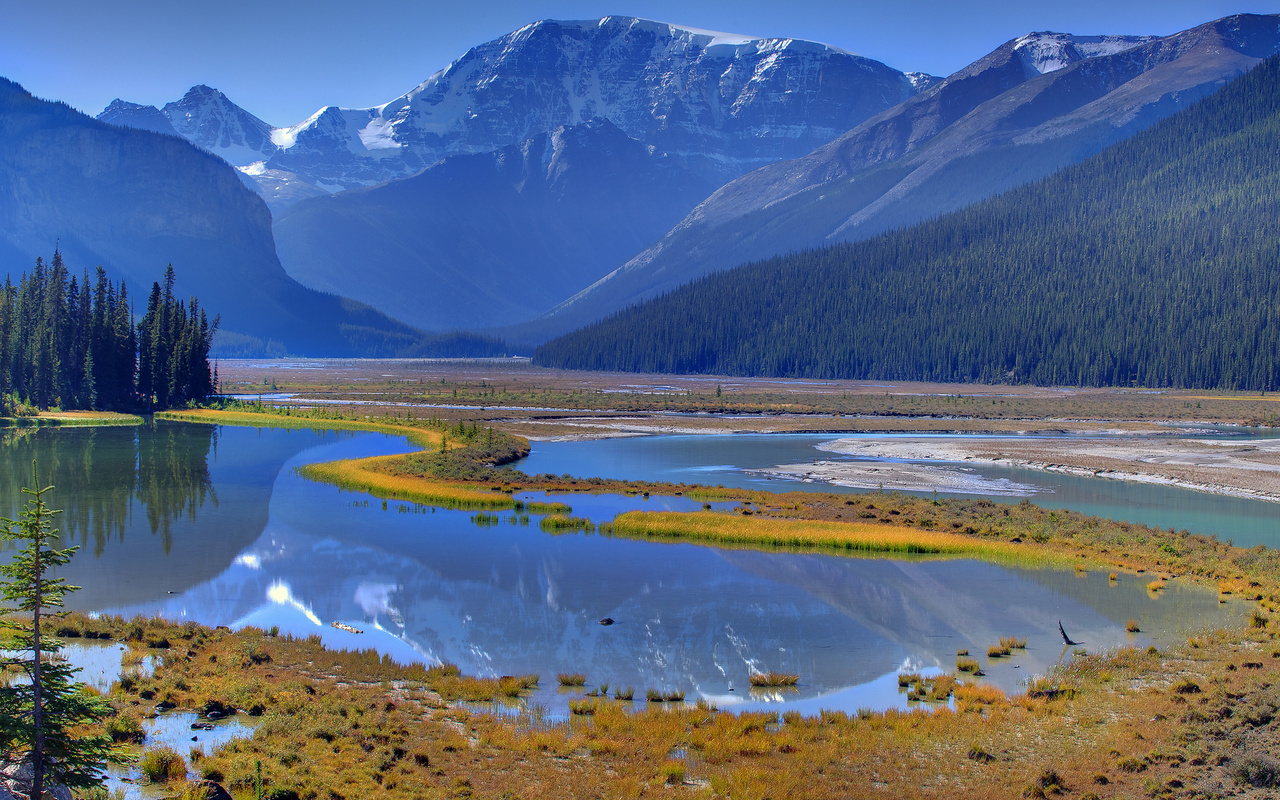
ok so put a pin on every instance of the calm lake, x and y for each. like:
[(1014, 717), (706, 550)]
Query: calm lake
[(213, 524)]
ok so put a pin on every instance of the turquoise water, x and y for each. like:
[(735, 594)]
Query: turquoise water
[(723, 460), (213, 524)]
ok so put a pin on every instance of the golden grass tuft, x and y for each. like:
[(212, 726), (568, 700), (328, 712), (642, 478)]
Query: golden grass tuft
[(716, 528), (774, 679), (162, 765), (423, 437), (362, 475)]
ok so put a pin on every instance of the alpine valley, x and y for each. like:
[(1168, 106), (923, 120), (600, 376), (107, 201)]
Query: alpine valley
[(532, 165), (570, 169)]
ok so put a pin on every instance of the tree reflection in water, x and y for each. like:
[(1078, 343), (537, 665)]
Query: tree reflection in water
[(99, 473)]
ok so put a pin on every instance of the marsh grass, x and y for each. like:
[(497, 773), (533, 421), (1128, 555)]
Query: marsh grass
[(316, 419), (584, 707), (774, 679), (72, 419), (375, 728), (561, 523), (920, 688), (572, 679), (720, 528), (162, 765), (364, 475)]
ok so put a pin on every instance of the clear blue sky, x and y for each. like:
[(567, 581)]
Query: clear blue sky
[(284, 60)]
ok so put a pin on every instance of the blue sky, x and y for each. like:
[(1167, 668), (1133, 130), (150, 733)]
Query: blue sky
[(284, 60)]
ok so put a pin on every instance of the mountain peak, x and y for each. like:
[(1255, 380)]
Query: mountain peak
[(136, 115), (209, 119), (1049, 51)]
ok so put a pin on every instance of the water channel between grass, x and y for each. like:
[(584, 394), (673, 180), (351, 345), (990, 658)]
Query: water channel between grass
[(213, 524)]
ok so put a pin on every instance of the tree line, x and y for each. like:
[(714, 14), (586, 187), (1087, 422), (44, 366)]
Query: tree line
[(71, 343), (1156, 263)]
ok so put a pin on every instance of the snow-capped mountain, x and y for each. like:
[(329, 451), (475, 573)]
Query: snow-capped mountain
[(1031, 106), (724, 103), (208, 119)]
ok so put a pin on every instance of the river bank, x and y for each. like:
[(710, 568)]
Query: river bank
[(1231, 468)]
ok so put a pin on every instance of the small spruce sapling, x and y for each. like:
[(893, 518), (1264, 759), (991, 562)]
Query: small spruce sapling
[(37, 717)]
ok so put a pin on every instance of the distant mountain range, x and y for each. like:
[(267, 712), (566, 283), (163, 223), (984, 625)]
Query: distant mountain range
[(570, 169), (1153, 263), (1032, 106), (723, 102), (135, 201), (541, 160)]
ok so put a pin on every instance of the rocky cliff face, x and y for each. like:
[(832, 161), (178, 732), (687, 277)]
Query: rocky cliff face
[(725, 104), (1033, 105), (134, 201)]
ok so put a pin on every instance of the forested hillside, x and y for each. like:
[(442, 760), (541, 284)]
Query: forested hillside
[(70, 344), (1156, 262), (133, 201)]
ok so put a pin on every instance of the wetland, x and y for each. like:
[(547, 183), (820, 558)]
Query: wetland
[(439, 616)]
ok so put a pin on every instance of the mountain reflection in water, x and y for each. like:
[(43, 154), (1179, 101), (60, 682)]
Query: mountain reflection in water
[(245, 540)]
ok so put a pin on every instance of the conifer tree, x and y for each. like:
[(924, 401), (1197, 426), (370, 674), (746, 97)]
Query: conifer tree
[(37, 718), (68, 342)]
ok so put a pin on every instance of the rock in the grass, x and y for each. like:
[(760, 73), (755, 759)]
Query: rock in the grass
[(15, 782), (212, 790)]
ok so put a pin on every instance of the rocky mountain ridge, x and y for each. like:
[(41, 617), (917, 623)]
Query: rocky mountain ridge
[(1031, 106), (724, 103), (134, 201)]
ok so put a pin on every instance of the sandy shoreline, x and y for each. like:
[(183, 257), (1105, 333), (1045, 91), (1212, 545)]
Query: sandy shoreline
[(1224, 467)]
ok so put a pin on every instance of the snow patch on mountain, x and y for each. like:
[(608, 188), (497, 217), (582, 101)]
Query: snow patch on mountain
[(207, 118), (1046, 51)]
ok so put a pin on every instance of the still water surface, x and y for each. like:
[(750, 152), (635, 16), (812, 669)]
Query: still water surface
[(213, 524)]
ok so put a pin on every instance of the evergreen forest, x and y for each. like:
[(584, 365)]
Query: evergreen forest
[(1154, 263), (72, 344)]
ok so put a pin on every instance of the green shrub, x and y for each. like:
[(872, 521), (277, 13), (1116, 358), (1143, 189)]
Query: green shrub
[(162, 765)]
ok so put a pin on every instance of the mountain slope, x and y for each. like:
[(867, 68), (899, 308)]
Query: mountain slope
[(134, 201), (1152, 263), (479, 240), (723, 103), (1033, 105)]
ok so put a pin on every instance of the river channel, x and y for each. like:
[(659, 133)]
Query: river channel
[(213, 524)]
